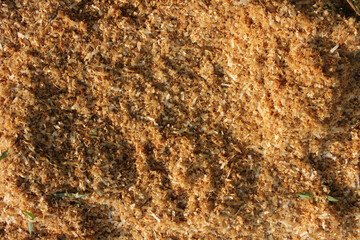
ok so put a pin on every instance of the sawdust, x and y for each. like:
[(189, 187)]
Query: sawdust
[(179, 120)]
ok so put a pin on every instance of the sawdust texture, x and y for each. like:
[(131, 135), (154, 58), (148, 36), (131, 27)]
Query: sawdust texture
[(179, 119)]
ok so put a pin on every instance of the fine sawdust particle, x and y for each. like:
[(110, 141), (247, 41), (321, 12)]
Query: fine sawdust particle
[(179, 119)]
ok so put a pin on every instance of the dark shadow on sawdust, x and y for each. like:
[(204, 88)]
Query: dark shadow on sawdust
[(48, 99), (346, 194), (159, 166), (14, 9), (81, 11), (204, 142), (92, 219), (341, 7), (172, 120), (119, 167)]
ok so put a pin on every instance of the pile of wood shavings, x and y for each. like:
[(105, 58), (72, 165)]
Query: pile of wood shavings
[(167, 120)]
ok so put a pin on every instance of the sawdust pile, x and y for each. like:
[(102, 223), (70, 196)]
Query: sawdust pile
[(179, 120)]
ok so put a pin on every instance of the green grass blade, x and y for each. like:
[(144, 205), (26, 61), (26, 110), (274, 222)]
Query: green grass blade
[(60, 195), (31, 227), (32, 216), (3, 155), (78, 195), (305, 195), (73, 195), (331, 199)]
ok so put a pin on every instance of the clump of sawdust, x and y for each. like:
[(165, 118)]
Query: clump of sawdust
[(178, 121)]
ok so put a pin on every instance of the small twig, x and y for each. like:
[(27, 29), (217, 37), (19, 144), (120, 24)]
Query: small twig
[(262, 4), (355, 5), (54, 15)]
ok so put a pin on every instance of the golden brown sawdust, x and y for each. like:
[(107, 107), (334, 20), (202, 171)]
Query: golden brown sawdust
[(179, 120)]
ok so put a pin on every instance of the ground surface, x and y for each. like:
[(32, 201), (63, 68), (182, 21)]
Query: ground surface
[(179, 120)]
